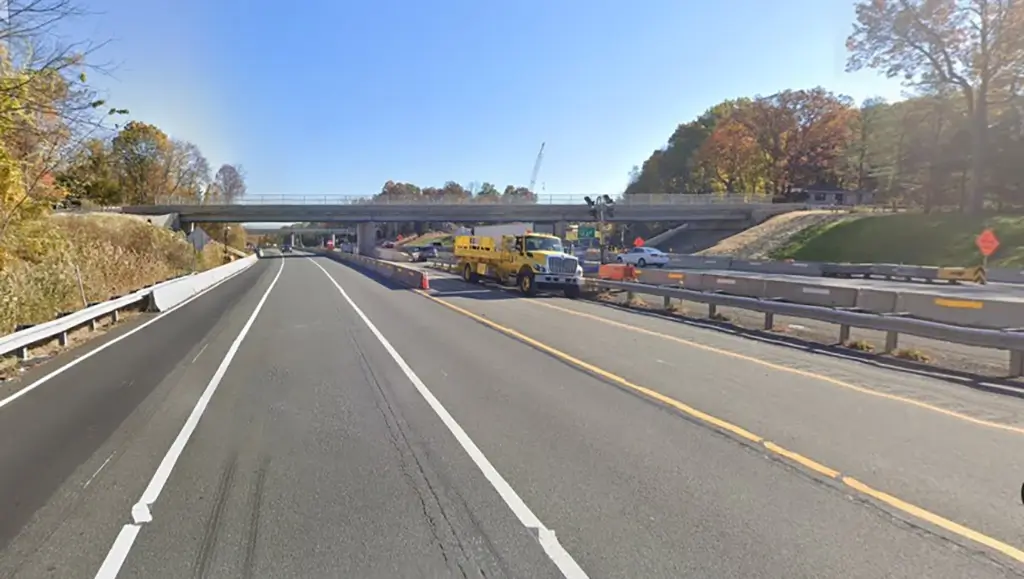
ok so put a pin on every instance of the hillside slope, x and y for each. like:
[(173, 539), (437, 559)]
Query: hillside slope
[(114, 254), (760, 241), (945, 239)]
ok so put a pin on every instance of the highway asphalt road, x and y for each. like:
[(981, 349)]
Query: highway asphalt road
[(305, 420)]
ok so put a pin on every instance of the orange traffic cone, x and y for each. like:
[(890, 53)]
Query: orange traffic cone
[(424, 282)]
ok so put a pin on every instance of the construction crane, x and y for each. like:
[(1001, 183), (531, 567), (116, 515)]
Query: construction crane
[(536, 168)]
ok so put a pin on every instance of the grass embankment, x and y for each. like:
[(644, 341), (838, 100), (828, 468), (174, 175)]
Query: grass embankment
[(445, 239), (916, 239), (113, 254)]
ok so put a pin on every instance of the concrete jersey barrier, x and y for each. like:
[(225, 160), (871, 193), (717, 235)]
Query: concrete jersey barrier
[(826, 269), (406, 276), (169, 295), (920, 302)]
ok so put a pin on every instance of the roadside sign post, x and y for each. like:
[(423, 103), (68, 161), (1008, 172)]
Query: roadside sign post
[(987, 243)]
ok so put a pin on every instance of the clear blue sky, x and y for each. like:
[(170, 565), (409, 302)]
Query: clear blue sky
[(336, 97)]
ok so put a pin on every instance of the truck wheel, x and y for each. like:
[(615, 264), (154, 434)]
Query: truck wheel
[(525, 283), (468, 274), (572, 292)]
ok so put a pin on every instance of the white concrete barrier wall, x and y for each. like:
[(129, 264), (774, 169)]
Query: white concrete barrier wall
[(172, 294)]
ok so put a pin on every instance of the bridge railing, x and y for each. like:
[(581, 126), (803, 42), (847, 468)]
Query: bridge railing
[(544, 198)]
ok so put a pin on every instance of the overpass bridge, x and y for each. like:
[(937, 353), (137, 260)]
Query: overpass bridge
[(301, 230), (734, 210)]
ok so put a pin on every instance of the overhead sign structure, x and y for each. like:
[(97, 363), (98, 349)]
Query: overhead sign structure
[(987, 242)]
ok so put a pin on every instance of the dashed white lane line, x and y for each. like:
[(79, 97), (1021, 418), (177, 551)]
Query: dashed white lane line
[(200, 353), (545, 536), (141, 513)]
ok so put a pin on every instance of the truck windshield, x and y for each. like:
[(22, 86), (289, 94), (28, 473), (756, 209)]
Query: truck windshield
[(543, 244)]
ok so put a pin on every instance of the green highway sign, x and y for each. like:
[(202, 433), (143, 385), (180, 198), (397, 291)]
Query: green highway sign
[(587, 232)]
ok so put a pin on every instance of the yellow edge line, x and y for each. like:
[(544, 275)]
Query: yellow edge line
[(937, 520), (799, 459), (797, 371)]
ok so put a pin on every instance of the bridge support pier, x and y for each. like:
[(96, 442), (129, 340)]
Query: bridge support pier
[(366, 238), (560, 229)]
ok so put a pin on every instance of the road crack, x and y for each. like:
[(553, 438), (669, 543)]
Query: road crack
[(416, 475)]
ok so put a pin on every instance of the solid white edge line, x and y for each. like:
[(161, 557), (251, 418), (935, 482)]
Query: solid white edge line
[(44, 379), (141, 510), (546, 537)]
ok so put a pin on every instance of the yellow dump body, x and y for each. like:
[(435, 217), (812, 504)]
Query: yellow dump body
[(471, 246)]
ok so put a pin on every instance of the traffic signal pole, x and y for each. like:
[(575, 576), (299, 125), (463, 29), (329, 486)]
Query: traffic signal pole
[(598, 207)]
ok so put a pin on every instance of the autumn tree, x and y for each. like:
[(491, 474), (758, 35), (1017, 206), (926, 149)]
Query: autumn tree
[(488, 193), (140, 152), (975, 47), (730, 156), (802, 135), (453, 192), (90, 174), (230, 183), (513, 194), (186, 170), (46, 107)]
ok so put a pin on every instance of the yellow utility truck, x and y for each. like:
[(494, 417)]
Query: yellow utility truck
[(514, 254)]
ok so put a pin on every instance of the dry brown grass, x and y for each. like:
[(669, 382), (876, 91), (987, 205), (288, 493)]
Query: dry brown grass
[(113, 254), (759, 241)]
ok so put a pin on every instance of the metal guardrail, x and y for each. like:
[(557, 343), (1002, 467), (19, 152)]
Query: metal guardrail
[(892, 324), (978, 323), (849, 270), (20, 342), (541, 198)]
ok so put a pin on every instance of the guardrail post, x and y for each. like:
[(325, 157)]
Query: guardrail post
[(629, 296), (93, 325), (1016, 364), (769, 321), (844, 333), (712, 311), (62, 339), (667, 303), (891, 342), (23, 353), (115, 316)]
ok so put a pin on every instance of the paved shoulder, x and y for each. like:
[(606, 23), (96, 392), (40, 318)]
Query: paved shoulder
[(55, 439)]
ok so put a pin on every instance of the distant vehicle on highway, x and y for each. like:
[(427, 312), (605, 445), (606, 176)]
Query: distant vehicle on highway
[(286, 248), (425, 253), (643, 256)]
